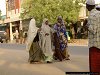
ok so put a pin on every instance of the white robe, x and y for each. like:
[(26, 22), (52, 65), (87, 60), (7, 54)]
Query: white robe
[(31, 34), (46, 40)]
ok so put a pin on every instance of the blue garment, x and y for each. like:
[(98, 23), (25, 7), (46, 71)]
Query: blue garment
[(59, 30), (63, 30), (63, 46)]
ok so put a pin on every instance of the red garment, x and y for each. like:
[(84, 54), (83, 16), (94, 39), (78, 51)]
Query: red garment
[(94, 60)]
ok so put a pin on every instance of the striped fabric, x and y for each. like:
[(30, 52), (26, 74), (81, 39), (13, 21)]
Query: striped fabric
[(94, 59)]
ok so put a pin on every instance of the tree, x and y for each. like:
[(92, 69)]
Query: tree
[(50, 9), (82, 1)]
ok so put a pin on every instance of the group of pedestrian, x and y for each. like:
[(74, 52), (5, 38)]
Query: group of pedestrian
[(77, 31), (46, 44), (20, 35)]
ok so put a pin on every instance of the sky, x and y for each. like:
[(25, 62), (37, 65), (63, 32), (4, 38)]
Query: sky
[(3, 6)]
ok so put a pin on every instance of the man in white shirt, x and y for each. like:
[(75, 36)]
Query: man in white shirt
[(93, 26)]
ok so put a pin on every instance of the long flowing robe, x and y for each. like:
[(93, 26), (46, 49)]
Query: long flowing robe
[(35, 52), (93, 24), (60, 42), (46, 40), (31, 34)]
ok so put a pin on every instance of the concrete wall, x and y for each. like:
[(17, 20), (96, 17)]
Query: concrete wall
[(82, 13)]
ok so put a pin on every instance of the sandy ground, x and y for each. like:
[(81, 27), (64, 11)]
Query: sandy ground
[(14, 62)]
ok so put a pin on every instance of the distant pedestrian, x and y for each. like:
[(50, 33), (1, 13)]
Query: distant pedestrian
[(36, 55), (75, 28), (79, 36), (21, 36), (72, 30), (16, 35), (24, 36)]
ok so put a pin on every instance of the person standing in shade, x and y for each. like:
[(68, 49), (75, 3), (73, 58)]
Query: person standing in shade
[(36, 55), (46, 41), (93, 26), (24, 35), (21, 36), (16, 35), (72, 30)]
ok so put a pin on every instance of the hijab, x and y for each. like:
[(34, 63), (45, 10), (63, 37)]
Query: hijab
[(31, 33), (32, 25), (44, 20)]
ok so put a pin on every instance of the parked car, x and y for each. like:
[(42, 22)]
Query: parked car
[(3, 36)]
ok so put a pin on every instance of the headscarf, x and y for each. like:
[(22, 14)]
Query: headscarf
[(60, 29), (31, 33), (43, 23), (60, 17), (32, 25)]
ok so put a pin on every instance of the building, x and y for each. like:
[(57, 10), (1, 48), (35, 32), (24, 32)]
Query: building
[(12, 16), (83, 14), (13, 20)]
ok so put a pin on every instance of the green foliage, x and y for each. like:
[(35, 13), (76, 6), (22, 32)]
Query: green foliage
[(50, 9), (82, 1)]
